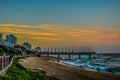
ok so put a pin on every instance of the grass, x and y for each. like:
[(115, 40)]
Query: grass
[(18, 72)]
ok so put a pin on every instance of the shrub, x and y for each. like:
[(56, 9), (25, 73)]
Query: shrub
[(18, 72)]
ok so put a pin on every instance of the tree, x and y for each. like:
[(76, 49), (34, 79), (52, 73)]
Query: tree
[(5, 48), (38, 49), (1, 52), (20, 47)]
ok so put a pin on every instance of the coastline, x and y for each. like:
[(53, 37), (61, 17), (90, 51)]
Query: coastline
[(63, 71), (88, 69), (62, 63)]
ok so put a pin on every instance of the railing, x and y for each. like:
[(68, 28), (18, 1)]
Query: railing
[(5, 63)]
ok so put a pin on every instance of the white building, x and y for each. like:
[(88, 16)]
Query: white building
[(11, 39), (27, 45)]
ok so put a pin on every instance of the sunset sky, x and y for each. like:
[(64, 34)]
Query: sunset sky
[(58, 23)]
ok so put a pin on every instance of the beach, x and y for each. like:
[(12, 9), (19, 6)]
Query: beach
[(64, 72)]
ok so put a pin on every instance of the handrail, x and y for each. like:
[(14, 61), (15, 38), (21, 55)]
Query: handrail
[(5, 63)]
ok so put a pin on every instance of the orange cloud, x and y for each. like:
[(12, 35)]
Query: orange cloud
[(62, 34), (5, 25)]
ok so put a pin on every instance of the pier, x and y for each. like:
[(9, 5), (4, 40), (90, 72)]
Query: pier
[(79, 51)]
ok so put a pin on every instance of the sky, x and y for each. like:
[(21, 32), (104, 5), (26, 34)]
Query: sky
[(58, 23)]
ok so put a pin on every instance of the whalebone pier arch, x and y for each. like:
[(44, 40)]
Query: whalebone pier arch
[(79, 51)]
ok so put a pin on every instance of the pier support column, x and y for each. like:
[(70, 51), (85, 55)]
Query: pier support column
[(58, 59), (69, 56), (48, 55), (89, 56), (79, 56)]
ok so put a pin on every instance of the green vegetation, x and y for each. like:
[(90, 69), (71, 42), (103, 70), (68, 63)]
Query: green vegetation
[(10, 50), (2, 52), (18, 72), (4, 49)]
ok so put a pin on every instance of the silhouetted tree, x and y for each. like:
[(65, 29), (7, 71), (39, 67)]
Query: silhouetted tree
[(38, 49)]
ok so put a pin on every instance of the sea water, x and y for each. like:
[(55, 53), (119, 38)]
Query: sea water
[(97, 63), (100, 63)]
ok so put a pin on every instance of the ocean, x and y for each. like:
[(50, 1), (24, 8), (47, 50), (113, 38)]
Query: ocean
[(102, 63)]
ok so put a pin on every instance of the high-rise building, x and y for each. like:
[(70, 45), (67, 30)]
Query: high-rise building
[(27, 45), (11, 39)]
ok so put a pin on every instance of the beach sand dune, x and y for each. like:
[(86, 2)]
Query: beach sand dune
[(64, 72)]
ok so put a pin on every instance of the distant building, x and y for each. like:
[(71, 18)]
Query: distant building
[(3, 42), (11, 39), (1, 35), (1, 39), (27, 45)]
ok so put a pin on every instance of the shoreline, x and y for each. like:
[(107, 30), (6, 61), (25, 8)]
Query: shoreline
[(63, 71), (65, 64), (88, 69)]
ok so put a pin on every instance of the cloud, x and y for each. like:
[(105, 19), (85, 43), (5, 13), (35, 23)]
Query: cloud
[(99, 37), (62, 34), (9, 25)]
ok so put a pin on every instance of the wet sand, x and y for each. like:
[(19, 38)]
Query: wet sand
[(65, 72)]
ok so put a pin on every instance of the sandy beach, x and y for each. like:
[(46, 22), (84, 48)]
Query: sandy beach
[(64, 72)]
